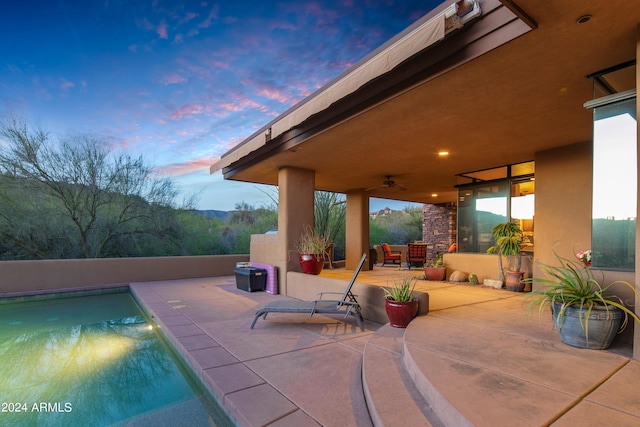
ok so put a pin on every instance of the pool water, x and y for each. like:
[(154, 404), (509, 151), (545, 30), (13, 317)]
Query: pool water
[(93, 361)]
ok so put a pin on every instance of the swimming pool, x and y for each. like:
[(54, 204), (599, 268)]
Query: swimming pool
[(93, 360)]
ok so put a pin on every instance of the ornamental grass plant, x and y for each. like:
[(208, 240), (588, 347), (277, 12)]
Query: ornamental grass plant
[(574, 284), (311, 243)]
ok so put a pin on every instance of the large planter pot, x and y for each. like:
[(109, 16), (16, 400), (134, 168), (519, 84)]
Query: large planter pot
[(435, 274), (604, 324), (514, 282), (311, 263), (400, 313), (373, 258)]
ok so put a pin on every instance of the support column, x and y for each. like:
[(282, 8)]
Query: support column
[(357, 228), (295, 211)]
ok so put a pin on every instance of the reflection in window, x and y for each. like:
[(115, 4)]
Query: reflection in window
[(509, 196), (614, 185), (480, 208)]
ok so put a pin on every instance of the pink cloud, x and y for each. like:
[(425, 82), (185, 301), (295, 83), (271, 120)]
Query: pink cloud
[(66, 85), (274, 94), (187, 110), (233, 142), (174, 169), (230, 107), (188, 17), (199, 71), (212, 15), (173, 79), (283, 26), (162, 30), (220, 64)]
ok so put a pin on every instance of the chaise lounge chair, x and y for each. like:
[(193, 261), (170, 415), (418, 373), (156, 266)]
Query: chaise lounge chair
[(348, 305)]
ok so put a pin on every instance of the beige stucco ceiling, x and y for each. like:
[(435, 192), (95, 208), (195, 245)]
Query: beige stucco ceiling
[(500, 108)]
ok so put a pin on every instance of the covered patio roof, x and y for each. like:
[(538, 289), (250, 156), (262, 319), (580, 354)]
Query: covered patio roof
[(506, 85)]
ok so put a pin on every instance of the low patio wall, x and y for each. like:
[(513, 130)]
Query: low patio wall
[(370, 297), (485, 266), (47, 275)]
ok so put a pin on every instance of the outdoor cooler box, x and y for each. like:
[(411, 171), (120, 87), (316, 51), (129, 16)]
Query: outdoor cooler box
[(251, 279)]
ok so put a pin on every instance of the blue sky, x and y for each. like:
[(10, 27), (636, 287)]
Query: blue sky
[(182, 82)]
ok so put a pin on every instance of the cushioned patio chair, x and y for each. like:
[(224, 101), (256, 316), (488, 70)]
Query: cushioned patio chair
[(416, 254), (347, 305), (389, 255)]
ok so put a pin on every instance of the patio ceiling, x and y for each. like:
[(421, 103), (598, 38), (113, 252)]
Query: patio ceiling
[(498, 108)]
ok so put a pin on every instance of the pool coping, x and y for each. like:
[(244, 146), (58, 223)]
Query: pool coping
[(43, 294)]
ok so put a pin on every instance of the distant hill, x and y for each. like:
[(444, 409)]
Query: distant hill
[(223, 215)]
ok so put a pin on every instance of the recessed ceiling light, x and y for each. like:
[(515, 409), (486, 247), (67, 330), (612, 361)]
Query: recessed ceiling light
[(584, 19), (443, 153), (434, 194)]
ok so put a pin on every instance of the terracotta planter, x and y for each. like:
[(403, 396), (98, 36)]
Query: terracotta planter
[(435, 274), (400, 313), (311, 263), (514, 281)]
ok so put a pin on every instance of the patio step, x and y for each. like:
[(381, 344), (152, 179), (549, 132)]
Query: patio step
[(391, 393)]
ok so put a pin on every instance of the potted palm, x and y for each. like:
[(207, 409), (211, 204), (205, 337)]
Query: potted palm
[(585, 313), (435, 270), (312, 250), (401, 304), (507, 240)]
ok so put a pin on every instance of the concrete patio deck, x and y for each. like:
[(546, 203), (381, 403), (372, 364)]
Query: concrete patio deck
[(475, 359)]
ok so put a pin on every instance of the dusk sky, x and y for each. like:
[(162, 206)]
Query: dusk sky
[(182, 82)]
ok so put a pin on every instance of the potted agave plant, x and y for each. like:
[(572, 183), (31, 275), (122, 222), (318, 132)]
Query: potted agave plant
[(508, 238), (312, 249), (585, 313), (401, 304)]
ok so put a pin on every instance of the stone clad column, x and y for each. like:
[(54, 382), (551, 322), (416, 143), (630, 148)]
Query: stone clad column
[(295, 211), (357, 228)]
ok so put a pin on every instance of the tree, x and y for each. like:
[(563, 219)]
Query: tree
[(399, 227), (245, 221), (75, 198)]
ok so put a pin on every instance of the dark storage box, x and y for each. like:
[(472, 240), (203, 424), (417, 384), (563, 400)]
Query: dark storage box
[(251, 279)]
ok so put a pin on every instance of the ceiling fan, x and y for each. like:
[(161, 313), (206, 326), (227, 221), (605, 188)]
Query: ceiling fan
[(388, 183)]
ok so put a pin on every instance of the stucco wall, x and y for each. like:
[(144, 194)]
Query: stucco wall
[(264, 248), (563, 202), (563, 213), (42, 275)]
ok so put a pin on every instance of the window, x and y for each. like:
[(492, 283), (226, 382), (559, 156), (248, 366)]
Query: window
[(484, 204), (614, 182)]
